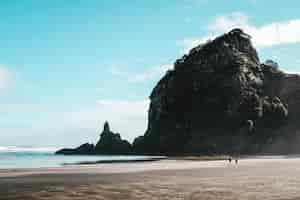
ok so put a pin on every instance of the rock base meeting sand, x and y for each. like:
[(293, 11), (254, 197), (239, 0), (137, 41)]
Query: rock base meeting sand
[(276, 178)]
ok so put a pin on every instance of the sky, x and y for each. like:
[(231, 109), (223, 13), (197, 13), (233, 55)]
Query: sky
[(68, 66)]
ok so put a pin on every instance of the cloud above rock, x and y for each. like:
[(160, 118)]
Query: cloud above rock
[(267, 35), (5, 77)]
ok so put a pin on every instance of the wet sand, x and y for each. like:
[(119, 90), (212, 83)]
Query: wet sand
[(166, 179)]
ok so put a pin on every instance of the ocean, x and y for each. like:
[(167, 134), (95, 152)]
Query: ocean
[(43, 157)]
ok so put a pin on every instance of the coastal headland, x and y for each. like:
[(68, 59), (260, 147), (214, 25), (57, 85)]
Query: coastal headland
[(218, 99)]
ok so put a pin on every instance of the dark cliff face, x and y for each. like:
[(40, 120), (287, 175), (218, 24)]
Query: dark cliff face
[(218, 99), (287, 88)]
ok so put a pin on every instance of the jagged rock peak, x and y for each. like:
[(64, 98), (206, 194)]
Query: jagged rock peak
[(106, 128), (111, 143), (234, 42)]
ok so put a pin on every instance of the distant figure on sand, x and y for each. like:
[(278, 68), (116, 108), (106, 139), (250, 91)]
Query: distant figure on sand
[(229, 159), (236, 161)]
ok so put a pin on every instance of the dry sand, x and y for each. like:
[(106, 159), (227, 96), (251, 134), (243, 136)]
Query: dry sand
[(165, 179)]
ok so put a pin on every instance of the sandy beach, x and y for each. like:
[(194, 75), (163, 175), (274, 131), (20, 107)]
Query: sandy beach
[(276, 178)]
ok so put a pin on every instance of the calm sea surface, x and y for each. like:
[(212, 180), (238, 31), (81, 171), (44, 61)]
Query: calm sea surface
[(14, 157)]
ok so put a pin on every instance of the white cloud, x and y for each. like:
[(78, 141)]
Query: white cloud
[(275, 33), (149, 74), (146, 75), (5, 77), (127, 117), (84, 124)]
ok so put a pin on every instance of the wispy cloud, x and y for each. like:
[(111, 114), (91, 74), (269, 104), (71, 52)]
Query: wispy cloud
[(146, 75), (5, 77), (128, 117), (275, 33)]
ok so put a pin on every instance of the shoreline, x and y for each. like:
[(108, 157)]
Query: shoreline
[(114, 161), (132, 166), (269, 179), (154, 159), (187, 158)]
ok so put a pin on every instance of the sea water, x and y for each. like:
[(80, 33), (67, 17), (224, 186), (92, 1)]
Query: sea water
[(16, 157)]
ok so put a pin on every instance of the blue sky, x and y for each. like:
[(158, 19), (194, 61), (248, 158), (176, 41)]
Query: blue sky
[(67, 66)]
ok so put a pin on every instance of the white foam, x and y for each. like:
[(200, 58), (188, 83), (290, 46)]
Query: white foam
[(28, 149)]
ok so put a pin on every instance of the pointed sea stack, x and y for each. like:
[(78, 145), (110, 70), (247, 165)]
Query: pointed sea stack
[(112, 143)]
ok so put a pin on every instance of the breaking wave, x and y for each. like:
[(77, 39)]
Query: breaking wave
[(28, 149)]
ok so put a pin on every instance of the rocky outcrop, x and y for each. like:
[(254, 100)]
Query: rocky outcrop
[(218, 99), (109, 143), (82, 149)]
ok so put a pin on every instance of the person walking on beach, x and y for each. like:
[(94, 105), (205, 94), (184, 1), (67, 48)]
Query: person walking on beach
[(236, 161), (229, 159)]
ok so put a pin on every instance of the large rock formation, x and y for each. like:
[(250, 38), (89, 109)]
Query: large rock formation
[(109, 143), (220, 99)]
